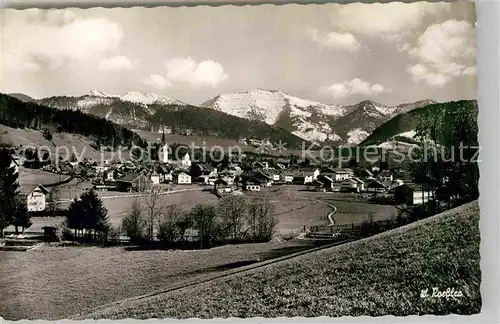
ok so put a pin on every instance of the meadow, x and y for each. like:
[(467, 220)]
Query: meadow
[(58, 282), (380, 275)]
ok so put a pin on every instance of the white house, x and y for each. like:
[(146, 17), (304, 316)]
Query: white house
[(340, 175), (109, 175), (312, 173), (35, 197), (385, 176), (413, 193), (253, 187), (182, 178), (186, 161), (155, 177)]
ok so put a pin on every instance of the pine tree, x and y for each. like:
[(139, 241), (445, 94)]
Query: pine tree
[(11, 206), (88, 213)]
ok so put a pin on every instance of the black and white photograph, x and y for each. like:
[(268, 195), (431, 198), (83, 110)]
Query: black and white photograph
[(239, 161)]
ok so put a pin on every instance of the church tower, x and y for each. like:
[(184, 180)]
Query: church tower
[(163, 152)]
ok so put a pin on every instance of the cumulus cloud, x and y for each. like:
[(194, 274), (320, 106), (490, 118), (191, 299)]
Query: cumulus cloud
[(384, 19), (118, 63), (157, 81), (353, 87), (54, 37), (334, 40), (187, 70), (443, 52)]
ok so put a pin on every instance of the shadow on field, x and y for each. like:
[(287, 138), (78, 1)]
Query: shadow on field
[(283, 251), (272, 254)]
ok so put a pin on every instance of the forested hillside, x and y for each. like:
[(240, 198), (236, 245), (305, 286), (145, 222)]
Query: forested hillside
[(208, 122), (18, 114), (413, 119)]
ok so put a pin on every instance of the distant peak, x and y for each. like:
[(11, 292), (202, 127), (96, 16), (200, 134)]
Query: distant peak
[(149, 98), (97, 93)]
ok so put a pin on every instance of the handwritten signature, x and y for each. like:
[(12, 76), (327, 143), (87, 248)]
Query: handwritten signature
[(436, 293)]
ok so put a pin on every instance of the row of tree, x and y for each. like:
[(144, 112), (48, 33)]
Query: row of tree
[(235, 219)]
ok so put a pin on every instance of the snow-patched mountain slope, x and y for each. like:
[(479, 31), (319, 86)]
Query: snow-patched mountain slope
[(97, 93), (134, 108), (268, 105), (148, 98), (310, 120)]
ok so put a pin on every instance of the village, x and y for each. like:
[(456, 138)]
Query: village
[(231, 177)]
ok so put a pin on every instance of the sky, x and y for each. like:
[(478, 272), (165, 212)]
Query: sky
[(333, 53)]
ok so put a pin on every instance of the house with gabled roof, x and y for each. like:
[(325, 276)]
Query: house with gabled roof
[(222, 186), (181, 177), (353, 184), (328, 182), (375, 186), (253, 185), (339, 174), (134, 181), (413, 193), (35, 196), (385, 175), (155, 177)]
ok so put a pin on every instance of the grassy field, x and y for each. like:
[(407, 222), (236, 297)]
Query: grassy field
[(351, 208), (381, 275), (35, 176), (58, 282)]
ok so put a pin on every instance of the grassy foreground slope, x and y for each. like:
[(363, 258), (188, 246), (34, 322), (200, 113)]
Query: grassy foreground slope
[(381, 275)]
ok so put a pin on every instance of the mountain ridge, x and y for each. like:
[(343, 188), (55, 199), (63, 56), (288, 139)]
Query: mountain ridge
[(308, 120), (311, 120)]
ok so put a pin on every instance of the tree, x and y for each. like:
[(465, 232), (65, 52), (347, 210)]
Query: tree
[(47, 134), (168, 227), (53, 200), (11, 206), (184, 222), (450, 142), (154, 212), (204, 222), (261, 220), (21, 217), (232, 213), (73, 158), (134, 224), (88, 213)]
